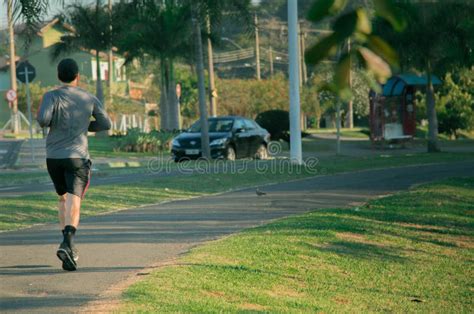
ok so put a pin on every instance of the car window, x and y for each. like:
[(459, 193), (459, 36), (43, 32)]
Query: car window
[(239, 124), (215, 125), (249, 125), (255, 124)]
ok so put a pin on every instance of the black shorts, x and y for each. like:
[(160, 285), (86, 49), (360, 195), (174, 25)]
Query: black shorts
[(70, 175)]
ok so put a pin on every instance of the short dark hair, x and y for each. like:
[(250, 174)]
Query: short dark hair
[(67, 70)]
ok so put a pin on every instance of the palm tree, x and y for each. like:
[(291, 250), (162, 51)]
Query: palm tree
[(31, 13), (161, 30), (439, 37), (91, 32)]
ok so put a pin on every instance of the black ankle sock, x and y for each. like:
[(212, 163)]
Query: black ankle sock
[(69, 232), (70, 229)]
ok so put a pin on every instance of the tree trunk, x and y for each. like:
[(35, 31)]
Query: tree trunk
[(164, 112), (169, 112), (433, 144), (99, 90), (111, 60), (206, 153), (212, 84), (173, 109)]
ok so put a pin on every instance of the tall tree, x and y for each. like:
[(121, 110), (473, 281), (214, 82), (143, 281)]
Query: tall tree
[(161, 30), (91, 32), (30, 12), (439, 37), (204, 12)]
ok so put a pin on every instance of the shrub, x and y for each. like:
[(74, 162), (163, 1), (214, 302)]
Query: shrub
[(276, 122), (137, 141), (456, 99)]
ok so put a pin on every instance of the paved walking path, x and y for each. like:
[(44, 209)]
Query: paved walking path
[(117, 246)]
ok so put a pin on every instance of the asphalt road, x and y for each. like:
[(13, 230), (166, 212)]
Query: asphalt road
[(115, 247)]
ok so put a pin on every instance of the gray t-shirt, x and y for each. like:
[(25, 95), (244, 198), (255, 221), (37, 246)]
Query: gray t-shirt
[(67, 111)]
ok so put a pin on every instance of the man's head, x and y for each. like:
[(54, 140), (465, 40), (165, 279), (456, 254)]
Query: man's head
[(68, 71)]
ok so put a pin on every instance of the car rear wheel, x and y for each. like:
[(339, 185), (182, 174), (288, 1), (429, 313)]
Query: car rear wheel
[(230, 153), (262, 152)]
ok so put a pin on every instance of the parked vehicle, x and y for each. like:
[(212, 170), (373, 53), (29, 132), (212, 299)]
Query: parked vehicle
[(230, 137)]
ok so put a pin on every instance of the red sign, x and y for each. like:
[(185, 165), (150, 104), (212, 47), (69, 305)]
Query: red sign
[(178, 90), (11, 95)]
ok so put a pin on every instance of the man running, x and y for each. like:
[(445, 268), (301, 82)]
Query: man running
[(67, 111)]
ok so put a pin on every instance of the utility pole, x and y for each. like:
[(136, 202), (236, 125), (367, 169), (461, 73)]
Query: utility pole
[(295, 127), (270, 59), (14, 118), (99, 91), (257, 48), (350, 109), (212, 84)]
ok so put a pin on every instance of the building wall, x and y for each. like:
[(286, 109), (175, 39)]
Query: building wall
[(39, 55), (4, 109)]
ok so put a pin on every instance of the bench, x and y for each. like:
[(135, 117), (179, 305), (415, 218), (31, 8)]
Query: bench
[(393, 133)]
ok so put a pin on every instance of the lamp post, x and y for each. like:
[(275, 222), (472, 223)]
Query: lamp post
[(295, 127)]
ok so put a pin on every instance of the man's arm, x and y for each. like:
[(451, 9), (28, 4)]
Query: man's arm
[(45, 111), (102, 121)]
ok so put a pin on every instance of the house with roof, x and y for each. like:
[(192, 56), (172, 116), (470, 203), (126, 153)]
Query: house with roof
[(39, 55)]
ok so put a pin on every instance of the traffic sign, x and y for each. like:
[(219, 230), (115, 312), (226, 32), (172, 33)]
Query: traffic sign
[(25, 72), (178, 90), (11, 95)]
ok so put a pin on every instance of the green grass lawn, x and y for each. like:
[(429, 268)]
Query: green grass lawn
[(14, 178), (409, 252), (41, 175), (22, 211)]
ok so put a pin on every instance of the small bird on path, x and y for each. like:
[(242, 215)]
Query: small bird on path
[(259, 193)]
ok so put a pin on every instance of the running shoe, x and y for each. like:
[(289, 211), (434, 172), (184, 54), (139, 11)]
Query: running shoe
[(66, 255)]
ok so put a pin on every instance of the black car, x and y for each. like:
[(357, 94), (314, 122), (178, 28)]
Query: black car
[(230, 137)]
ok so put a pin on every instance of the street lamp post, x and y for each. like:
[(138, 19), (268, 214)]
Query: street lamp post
[(295, 127)]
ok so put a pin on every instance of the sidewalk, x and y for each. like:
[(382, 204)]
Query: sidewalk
[(117, 246)]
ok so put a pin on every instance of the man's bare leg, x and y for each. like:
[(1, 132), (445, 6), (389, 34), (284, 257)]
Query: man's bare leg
[(72, 210), (62, 211)]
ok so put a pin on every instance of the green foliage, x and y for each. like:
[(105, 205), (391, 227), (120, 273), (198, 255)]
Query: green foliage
[(276, 122), (456, 98), (353, 25), (156, 28), (137, 141), (189, 94), (454, 103), (439, 33), (36, 94), (250, 97), (31, 13), (92, 31), (327, 99)]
